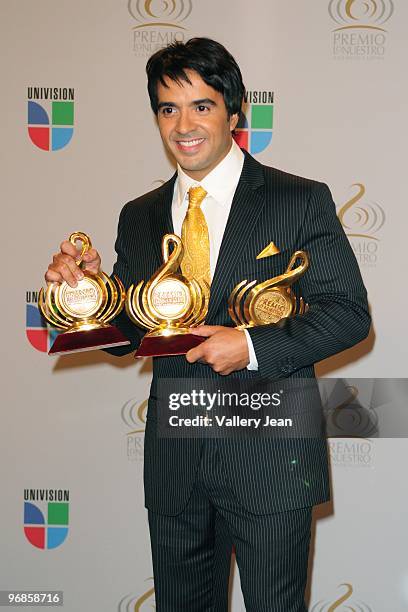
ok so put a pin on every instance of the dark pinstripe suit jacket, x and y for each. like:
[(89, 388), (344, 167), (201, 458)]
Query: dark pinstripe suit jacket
[(266, 475)]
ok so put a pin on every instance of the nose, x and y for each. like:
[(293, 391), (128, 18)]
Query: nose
[(185, 122)]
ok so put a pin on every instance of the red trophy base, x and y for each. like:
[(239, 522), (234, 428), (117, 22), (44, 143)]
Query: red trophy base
[(90, 340), (165, 346)]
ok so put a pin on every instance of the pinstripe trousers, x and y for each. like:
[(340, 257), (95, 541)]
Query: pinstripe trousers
[(191, 551)]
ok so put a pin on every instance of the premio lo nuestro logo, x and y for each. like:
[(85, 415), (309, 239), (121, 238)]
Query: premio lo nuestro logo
[(142, 603), (39, 334), (345, 598), (360, 33), (159, 23), (50, 117), (359, 217), (46, 520), (254, 130), (362, 219), (133, 414)]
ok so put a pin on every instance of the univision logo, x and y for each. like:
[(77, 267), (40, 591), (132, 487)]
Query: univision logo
[(160, 12), (327, 606), (39, 334), (50, 123), (46, 521), (369, 14), (254, 129)]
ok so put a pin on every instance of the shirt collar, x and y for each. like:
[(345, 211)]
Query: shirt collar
[(220, 183)]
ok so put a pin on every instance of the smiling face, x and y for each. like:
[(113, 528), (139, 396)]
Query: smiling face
[(194, 124)]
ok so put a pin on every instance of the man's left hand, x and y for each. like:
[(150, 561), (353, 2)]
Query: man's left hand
[(225, 350)]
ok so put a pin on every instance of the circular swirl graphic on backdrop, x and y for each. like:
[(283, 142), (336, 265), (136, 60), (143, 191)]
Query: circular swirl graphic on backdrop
[(362, 219), (361, 13), (133, 414), (160, 12), (145, 602), (351, 419), (352, 606)]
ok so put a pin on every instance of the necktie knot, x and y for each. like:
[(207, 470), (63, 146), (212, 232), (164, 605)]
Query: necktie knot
[(195, 196)]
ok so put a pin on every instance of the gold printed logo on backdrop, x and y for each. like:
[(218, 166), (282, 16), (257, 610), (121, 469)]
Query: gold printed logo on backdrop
[(145, 602), (370, 14), (360, 34), (159, 23), (133, 414), (352, 604), (159, 13), (347, 415), (361, 219)]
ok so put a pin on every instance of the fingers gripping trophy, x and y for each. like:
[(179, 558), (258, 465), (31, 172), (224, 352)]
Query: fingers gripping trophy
[(81, 299)]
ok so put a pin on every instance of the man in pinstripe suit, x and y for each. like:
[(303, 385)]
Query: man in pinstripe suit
[(203, 495)]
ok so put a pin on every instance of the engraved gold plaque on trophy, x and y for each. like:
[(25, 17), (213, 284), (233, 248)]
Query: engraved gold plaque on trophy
[(168, 305), (268, 302), (84, 311)]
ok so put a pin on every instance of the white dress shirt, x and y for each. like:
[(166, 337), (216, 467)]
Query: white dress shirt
[(220, 185)]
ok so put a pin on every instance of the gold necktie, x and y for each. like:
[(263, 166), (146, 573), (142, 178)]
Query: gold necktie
[(194, 235)]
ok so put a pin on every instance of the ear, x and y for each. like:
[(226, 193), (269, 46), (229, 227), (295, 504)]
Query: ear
[(233, 120)]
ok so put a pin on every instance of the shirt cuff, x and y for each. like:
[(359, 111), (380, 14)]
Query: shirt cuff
[(253, 362)]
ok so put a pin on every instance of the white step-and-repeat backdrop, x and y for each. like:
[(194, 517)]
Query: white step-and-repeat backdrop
[(327, 99)]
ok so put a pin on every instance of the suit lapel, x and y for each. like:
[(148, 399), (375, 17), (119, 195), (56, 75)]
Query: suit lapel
[(246, 207), (160, 218)]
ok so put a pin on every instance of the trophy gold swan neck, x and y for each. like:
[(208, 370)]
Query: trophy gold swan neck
[(168, 303), (89, 306), (253, 304), (86, 244), (291, 274), (171, 260)]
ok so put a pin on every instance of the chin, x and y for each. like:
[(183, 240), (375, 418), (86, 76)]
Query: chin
[(191, 165)]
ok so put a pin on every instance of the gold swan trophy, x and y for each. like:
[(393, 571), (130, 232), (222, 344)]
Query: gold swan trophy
[(168, 305), (84, 311), (271, 301)]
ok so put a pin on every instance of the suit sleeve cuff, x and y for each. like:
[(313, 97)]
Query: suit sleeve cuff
[(253, 362)]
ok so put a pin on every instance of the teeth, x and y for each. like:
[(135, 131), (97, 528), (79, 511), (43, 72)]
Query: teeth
[(190, 143)]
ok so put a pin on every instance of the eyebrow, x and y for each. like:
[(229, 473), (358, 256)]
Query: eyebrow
[(204, 101), (194, 103)]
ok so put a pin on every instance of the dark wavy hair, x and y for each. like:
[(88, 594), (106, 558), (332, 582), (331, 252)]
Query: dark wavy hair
[(208, 58)]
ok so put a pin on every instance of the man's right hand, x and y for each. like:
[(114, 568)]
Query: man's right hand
[(64, 268)]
